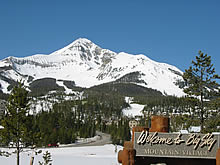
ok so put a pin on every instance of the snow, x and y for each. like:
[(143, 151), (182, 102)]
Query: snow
[(94, 155), (134, 109), (87, 64), (41, 105), (183, 131), (76, 42), (195, 129), (3, 63), (4, 86), (67, 90)]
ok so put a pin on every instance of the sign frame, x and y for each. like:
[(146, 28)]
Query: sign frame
[(176, 145)]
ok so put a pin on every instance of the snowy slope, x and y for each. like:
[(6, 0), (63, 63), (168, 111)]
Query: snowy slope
[(94, 155), (134, 109), (87, 65)]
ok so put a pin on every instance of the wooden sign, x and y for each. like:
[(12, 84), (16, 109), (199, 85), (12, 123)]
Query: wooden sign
[(154, 144)]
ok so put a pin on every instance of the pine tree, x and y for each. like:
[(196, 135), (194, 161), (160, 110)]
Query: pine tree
[(47, 159), (200, 80), (14, 122)]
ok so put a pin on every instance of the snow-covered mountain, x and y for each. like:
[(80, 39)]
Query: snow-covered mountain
[(87, 65)]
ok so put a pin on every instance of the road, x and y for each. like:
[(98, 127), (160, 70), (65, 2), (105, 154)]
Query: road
[(104, 139)]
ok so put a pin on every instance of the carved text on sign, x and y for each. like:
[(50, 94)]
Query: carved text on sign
[(197, 140)]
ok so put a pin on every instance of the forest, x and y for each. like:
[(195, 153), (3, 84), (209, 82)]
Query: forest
[(68, 117)]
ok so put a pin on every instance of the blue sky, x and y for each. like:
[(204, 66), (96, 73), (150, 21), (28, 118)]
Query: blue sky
[(171, 31)]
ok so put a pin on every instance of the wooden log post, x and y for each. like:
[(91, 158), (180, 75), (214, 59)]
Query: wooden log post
[(127, 155), (159, 124), (218, 157)]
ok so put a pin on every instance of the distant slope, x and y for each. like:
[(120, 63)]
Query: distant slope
[(125, 89)]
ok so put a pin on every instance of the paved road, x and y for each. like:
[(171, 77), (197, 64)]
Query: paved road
[(104, 139)]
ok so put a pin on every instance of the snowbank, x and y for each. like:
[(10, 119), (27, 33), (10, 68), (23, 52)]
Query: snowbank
[(94, 155)]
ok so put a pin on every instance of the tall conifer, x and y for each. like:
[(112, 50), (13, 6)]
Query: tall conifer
[(14, 122), (200, 79)]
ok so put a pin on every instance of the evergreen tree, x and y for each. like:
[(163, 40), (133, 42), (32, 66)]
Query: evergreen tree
[(200, 80), (15, 120), (47, 159)]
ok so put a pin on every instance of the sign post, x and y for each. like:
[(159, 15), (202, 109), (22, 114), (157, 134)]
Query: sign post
[(156, 145)]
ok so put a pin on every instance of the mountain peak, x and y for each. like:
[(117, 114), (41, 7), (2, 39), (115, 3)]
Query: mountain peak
[(87, 65), (77, 45), (82, 40)]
